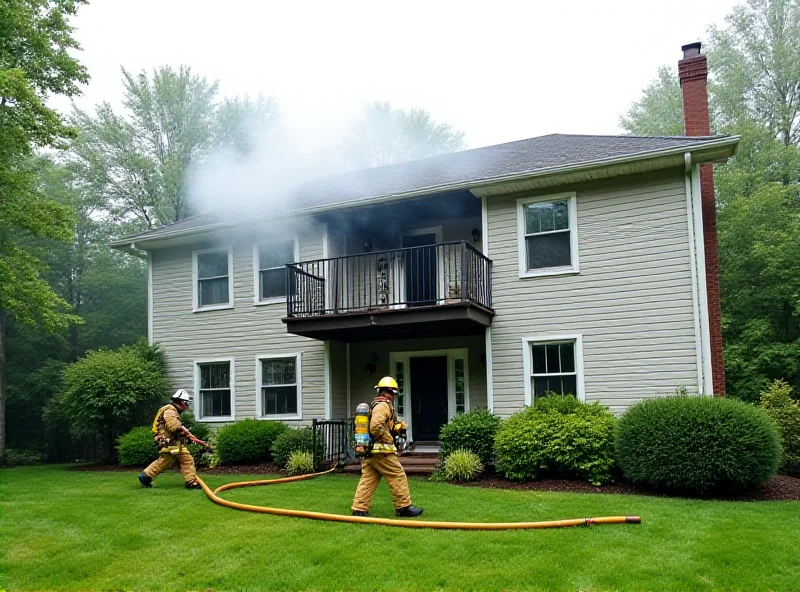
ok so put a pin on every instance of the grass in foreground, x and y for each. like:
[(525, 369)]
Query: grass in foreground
[(65, 530)]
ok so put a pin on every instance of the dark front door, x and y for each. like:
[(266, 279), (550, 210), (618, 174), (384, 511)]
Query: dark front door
[(428, 397), (420, 269)]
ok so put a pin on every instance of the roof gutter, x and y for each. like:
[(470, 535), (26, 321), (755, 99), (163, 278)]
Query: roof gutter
[(710, 144), (131, 249)]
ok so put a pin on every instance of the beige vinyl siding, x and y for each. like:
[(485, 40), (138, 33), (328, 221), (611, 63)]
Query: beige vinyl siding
[(243, 332), (631, 301), (338, 369)]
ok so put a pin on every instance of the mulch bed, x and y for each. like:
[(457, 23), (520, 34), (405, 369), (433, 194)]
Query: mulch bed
[(779, 488)]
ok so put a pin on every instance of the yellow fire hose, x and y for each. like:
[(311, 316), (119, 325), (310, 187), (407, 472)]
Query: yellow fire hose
[(212, 495)]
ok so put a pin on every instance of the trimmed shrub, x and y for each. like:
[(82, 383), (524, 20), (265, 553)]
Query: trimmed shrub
[(697, 445), (462, 465), (246, 441), (300, 463), (292, 440), (473, 431), (136, 448), (558, 436), (778, 403)]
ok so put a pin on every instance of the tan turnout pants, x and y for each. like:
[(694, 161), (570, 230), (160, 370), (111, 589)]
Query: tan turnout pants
[(373, 468), (167, 459)]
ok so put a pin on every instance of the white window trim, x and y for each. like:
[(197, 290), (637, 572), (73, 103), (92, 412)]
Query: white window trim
[(527, 363), (524, 272), (299, 377), (197, 406), (196, 296), (256, 271)]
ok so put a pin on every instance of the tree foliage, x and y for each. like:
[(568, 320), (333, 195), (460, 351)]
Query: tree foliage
[(386, 136), (35, 61), (660, 110), (137, 162)]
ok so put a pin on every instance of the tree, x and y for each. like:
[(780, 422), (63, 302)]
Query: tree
[(754, 91), (386, 136), (109, 392), (138, 162), (660, 110), (756, 64), (35, 61)]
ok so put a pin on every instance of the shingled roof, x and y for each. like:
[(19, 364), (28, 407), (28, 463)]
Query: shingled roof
[(469, 168)]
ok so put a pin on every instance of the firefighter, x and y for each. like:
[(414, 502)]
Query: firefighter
[(382, 460), (170, 437)]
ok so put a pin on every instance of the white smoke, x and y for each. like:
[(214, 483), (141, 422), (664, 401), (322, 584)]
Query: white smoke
[(283, 158)]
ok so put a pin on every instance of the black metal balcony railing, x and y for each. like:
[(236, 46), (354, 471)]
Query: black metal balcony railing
[(450, 273)]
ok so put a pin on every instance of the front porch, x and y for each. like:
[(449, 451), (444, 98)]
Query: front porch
[(438, 378)]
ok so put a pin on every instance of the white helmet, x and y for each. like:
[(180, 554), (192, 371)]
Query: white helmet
[(182, 395)]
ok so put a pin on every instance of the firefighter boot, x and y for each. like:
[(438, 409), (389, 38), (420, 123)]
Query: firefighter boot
[(408, 512), (360, 513), (145, 480), (193, 484)]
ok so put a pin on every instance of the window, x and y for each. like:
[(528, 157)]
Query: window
[(548, 242), (271, 260), (553, 364), (213, 281), (400, 378), (458, 369), (279, 386), (213, 383)]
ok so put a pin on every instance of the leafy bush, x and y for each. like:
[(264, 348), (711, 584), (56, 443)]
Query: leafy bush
[(559, 436), (697, 445), (136, 448), (247, 441), (21, 458), (473, 431), (109, 392), (300, 463), (292, 440), (462, 465), (777, 402)]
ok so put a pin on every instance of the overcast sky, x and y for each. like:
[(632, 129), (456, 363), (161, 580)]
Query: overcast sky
[(500, 71)]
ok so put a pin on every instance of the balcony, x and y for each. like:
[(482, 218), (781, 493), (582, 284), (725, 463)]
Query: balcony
[(417, 291)]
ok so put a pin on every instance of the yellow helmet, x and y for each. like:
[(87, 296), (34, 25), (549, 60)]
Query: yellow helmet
[(387, 382)]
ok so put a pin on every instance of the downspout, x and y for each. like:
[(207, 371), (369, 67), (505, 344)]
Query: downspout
[(698, 273), (702, 286)]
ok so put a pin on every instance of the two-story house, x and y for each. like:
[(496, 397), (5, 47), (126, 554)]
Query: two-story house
[(484, 278)]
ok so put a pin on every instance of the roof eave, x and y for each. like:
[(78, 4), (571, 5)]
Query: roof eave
[(717, 150)]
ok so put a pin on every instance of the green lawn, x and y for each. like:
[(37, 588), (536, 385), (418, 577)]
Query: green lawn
[(65, 530)]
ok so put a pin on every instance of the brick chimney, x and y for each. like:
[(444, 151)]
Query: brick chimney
[(693, 74)]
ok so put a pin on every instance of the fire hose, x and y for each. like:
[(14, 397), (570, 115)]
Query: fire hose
[(212, 495)]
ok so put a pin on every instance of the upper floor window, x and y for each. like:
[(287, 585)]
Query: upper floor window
[(548, 235), (213, 285), (271, 259)]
